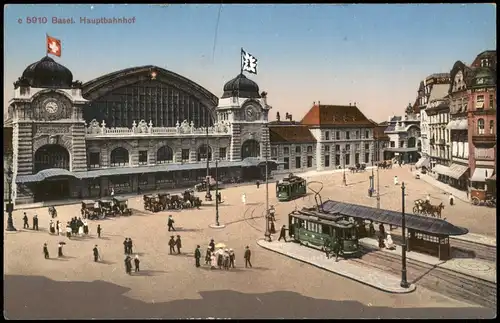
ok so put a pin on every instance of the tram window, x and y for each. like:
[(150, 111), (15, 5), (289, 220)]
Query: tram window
[(325, 229)]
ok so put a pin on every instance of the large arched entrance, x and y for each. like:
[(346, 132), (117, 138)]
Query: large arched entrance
[(250, 148), (54, 187)]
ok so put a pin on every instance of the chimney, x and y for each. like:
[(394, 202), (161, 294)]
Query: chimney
[(349, 103), (319, 103), (354, 103), (278, 116), (314, 102)]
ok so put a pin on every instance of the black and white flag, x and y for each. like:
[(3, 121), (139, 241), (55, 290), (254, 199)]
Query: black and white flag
[(248, 62)]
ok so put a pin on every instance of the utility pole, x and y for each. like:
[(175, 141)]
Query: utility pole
[(343, 161), (208, 196), (267, 234), (404, 282), (217, 192)]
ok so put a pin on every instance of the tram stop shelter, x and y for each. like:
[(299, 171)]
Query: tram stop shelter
[(427, 235)]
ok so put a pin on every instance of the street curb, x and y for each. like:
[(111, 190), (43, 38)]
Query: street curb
[(474, 241), (411, 289)]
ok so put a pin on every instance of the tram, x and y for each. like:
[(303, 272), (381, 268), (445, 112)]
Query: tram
[(319, 230), (290, 188)]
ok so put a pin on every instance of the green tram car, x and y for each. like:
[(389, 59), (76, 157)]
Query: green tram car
[(320, 231), (291, 188)]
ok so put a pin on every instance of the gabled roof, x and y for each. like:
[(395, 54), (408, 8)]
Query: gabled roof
[(290, 134), (335, 115)]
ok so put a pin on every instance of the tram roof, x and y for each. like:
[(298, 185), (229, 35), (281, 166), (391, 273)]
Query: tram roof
[(334, 221), (416, 222)]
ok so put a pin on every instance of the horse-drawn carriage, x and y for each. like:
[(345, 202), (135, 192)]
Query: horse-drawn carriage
[(424, 207), (120, 206), (386, 164), (100, 209), (162, 201), (358, 168), (89, 209)]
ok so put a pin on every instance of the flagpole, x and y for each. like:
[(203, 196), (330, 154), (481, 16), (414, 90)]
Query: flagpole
[(46, 51), (241, 61)]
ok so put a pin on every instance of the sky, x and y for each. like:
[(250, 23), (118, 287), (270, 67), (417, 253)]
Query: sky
[(374, 55)]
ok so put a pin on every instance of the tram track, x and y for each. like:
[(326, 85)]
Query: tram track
[(444, 281), (249, 217)]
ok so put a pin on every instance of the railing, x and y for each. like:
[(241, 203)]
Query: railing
[(142, 128)]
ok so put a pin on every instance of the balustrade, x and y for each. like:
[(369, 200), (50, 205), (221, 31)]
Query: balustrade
[(142, 128)]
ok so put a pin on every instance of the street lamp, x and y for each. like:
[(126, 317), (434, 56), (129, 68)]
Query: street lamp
[(217, 192), (208, 196), (343, 161), (10, 205), (267, 234), (404, 282)]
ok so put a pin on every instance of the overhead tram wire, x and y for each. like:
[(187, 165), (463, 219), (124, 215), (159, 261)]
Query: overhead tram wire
[(216, 32)]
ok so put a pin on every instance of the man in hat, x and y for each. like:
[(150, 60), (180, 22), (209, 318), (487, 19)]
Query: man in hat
[(35, 222), (170, 223), (171, 244), (282, 233), (128, 265), (130, 245), (99, 230), (247, 256), (45, 251), (96, 253), (125, 246), (197, 256), (25, 220), (59, 250), (136, 263), (178, 244), (231, 258), (212, 245)]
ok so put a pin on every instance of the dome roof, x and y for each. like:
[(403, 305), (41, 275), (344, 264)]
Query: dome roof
[(241, 86), (46, 73)]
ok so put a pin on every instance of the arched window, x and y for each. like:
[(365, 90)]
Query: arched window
[(492, 127), (119, 157), (203, 151), (51, 156), (164, 155), (480, 126), (412, 142), (250, 148)]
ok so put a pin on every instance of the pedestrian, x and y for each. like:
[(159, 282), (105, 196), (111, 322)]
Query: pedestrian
[(35, 222), (213, 261), (247, 256), (212, 245), (428, 198), (220, 258), (52, 229), (197, 256), (272, 228), (244, 199), (59, 250), (99, 230), (219, 197), (68, 231), (125, 246), (57, 227), (45, 251), (178, 244), (136, 263), (371, 229), (282, 233), (467, 192), (25, 220), (128, 265), (80, 230), (96, 253), (85, 227), (258, 184), (171, 244), (272, 212), (396, 182), (130, 246), (208, 256), (60, 229), (112, 192), (225, 259), (451, 199), (170, 223), (231, 258)]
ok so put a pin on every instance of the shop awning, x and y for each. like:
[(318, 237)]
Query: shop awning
[(457, 125), (423, 162), (441, 169), (456, 171), (44, 174), (481, 174)]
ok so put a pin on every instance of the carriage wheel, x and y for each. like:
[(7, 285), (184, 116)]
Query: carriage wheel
[(475, 201)]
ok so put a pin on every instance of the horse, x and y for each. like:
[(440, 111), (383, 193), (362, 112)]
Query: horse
[(435, 211)]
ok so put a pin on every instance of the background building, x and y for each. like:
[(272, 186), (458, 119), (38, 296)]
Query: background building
[(404, 137), (381, 141)]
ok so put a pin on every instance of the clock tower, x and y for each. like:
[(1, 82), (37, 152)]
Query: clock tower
[(246, 111), (48, 128)]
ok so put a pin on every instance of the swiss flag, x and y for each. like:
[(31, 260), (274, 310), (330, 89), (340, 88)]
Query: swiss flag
[(53, 46)]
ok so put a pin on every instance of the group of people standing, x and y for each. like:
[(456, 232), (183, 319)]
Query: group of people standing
[(223, 258), (127, 246), (59, 250), (26, 224), (128, 264), (175, 243)]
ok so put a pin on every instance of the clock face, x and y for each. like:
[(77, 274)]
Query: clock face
[(251, 113), (51, 107)]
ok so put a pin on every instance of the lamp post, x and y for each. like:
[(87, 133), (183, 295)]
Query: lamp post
[(404, 282), (267, 234), (378, 176), (10, 205), (217, 192), (208, 196), (343, 161)]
